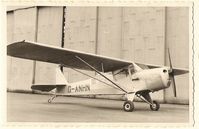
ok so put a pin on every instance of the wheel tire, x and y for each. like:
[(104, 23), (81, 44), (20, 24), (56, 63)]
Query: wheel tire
[(49, 101), (128, 106), (155, 106)]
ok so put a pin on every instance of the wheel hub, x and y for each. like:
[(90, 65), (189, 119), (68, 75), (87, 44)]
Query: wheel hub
[(154, 106), (127, 106)]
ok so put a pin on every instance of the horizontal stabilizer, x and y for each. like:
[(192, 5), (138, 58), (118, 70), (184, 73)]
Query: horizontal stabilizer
[(45, 87)]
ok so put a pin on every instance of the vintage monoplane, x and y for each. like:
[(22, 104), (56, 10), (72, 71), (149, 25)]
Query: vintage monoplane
[(114, 76)]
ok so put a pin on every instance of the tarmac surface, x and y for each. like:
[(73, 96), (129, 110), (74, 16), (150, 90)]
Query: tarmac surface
[(35, 108)]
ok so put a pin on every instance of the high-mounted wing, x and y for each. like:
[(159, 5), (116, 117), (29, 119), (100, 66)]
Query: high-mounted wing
[(67, 57)]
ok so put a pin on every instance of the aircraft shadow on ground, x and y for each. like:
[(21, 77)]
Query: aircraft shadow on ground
[(86, 105), (145, 108)]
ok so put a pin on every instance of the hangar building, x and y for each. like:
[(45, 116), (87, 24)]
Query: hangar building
[(140, 34)]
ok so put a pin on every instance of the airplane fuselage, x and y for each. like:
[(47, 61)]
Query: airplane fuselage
[(149, 79)]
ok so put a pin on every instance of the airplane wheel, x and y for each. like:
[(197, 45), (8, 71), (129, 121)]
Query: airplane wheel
[(128, 106), (155, 106), (49, 101)]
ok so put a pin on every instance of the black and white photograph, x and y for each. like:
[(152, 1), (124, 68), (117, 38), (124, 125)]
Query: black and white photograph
[(99, 64)]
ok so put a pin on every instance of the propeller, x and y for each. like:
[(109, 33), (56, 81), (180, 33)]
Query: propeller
[(171, 75)]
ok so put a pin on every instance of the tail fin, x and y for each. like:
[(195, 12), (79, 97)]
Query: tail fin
[(60, 78), (59, 85)]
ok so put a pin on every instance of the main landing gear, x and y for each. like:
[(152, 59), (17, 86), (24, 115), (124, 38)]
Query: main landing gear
[(129, 106), (51, 99), (154, 105)]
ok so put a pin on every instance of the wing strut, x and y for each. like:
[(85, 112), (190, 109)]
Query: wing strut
[(93, 78), (100, 73)]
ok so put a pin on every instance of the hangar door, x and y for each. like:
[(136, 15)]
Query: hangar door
[(21, 25)]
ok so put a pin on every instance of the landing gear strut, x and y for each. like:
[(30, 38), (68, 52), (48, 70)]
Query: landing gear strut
[(154, 105), (51, 99)]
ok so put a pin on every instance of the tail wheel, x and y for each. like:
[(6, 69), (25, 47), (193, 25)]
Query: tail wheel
[(155, 106), (49, 100), (128, 106)]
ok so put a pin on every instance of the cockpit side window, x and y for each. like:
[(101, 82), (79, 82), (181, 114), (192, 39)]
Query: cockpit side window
[(120, 74), (132, 70)]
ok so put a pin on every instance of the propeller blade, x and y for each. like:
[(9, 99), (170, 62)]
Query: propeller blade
[(174, 86), (171, 74), (170, 60)]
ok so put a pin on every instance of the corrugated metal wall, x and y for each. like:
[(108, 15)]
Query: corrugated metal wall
[(139, 34)]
